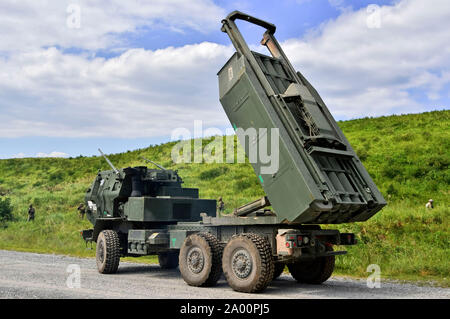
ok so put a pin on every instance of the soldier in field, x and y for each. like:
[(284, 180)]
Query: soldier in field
[(81, 210), (31, 213), (220, 206)]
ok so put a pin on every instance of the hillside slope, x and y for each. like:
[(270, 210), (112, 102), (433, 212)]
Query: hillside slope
[(408, 157)]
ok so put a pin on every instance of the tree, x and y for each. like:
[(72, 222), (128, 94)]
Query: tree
[(5, 210)]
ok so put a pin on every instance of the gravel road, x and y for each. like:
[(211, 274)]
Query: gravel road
[(29, 275)]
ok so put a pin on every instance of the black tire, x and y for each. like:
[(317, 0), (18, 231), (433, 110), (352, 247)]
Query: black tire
[(315, 271), (278, 270), (247, 263), (200, 260), (168, 260), (108, 252)]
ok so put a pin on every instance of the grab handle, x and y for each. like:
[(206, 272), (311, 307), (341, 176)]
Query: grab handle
[(231, 29), (245, 17)]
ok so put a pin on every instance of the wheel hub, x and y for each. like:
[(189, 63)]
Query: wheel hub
[(101, 254), (241, 263), (195, 260)]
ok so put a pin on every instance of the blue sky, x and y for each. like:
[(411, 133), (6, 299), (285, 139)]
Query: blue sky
[(134, 71)]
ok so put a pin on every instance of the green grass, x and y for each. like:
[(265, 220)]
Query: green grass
[(408, 157)]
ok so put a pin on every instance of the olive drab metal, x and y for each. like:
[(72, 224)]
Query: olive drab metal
[(320, 179)]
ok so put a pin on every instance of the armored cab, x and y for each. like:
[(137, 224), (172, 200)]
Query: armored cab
[(136, 205), (140, 194), (320, 179)]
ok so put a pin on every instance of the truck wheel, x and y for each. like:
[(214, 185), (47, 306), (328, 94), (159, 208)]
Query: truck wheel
[(168, 260), (315, 271), (278, 270), (108, 252), (200, 260), (247, 263)]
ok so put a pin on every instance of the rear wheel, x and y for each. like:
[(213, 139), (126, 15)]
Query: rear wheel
[(315, 271), (247, 263), (200, 260), (108, 252), (168, 260)]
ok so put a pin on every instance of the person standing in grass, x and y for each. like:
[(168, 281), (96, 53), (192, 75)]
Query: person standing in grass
[(81, 210), (31, 212), (220, 206)]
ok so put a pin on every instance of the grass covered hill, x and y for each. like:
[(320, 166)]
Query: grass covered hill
[(408, 157)]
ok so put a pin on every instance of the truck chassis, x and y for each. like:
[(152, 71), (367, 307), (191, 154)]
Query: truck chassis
[(251, 251)]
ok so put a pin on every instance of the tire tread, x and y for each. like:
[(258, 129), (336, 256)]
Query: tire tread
[(216, 252), (112, 257), (326, 265), (267, 266)]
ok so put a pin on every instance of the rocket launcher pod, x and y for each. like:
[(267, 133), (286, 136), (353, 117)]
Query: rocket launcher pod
[(320, 179)]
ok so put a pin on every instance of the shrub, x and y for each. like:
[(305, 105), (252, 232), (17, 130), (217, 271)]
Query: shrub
[(213, 172), (5, 210)]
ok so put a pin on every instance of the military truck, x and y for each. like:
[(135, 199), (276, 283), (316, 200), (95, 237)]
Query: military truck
[(140, 211)]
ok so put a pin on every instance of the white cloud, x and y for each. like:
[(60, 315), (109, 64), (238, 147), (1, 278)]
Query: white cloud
[(52, 154), (31, 24), (143, 93), (371, 71), (41, 154), (339, 5), (19, 155), (46, 92), (140, 93)]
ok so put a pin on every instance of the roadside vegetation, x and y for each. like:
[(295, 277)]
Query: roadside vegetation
[(407, 156), (5, 211)]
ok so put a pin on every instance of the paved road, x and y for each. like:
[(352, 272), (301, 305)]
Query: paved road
[(29, 275)]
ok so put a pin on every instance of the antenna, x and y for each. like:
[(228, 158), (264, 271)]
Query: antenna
[(147, 160), (109, 162)]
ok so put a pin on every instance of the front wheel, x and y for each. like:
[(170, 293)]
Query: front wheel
[(315, 271), (108, 252)]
